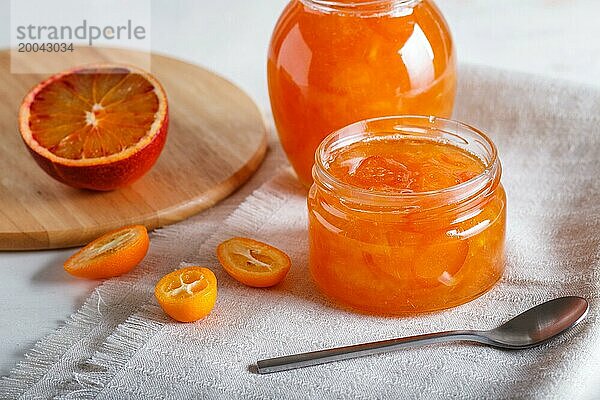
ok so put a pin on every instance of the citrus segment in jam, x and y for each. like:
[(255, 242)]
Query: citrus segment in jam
[(438, 261), (404, 166)]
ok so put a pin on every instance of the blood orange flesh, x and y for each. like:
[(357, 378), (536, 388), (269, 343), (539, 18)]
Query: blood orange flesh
[(96, 127)]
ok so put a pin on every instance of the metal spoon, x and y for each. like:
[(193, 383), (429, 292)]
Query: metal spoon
[(528, 329)]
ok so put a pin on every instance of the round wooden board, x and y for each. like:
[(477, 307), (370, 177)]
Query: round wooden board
[(216, 140)]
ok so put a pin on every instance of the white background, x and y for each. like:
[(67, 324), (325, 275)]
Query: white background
[(556, 38), (100, 14)]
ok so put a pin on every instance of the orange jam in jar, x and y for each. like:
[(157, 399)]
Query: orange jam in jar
[(332, 63), (406, 215)]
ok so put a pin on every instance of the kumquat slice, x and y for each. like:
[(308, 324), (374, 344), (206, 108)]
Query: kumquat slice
[(188, 294), (253, 263), (112, 254)]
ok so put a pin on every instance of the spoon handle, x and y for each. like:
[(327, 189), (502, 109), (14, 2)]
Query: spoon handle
[(359, 350)]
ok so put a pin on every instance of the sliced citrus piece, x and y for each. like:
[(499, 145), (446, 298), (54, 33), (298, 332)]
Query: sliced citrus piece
[(438, 261), (391, 252), (381, 173), (252, 262), (112, 254), (97, 127), (187, 294)]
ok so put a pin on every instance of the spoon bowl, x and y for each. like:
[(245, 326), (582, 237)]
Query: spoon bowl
[(528, 329), (538, 324)]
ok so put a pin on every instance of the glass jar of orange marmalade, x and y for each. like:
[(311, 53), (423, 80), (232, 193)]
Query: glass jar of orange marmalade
[(406, 215), (332, 63)]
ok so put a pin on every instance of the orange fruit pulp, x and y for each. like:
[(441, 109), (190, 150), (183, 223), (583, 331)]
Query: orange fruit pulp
[(188, 294), (253, 263), (112, 254), (329, 69), (410, 261), (96, 127)]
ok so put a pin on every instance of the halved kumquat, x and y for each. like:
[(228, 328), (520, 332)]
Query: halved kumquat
[(112, 254), (187, 294), (253, 263)]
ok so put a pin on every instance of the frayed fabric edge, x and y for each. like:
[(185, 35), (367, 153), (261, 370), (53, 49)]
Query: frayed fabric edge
[(137, 330), (48, 351)]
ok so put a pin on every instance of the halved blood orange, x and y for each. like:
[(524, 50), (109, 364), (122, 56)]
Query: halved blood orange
[(112, 254), (96, 127)]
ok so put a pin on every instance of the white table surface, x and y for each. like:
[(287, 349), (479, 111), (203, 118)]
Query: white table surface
[(556, 38)]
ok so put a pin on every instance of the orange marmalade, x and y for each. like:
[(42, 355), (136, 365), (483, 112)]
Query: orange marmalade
[(406, 215), (332, 63)]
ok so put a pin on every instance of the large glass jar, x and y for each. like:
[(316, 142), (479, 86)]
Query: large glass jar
[(380, 244), (332, 63)]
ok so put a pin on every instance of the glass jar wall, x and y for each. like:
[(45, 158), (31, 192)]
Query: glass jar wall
[(406, 215), (332, 63)]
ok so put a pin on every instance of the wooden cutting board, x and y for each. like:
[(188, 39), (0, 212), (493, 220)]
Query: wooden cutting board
[(216, 140)]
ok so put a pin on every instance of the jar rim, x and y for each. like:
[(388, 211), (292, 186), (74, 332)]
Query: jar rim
[(358, 3), (359, 6), (485, 180)]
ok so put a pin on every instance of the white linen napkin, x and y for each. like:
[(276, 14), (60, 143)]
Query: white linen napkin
[(548, 135)]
